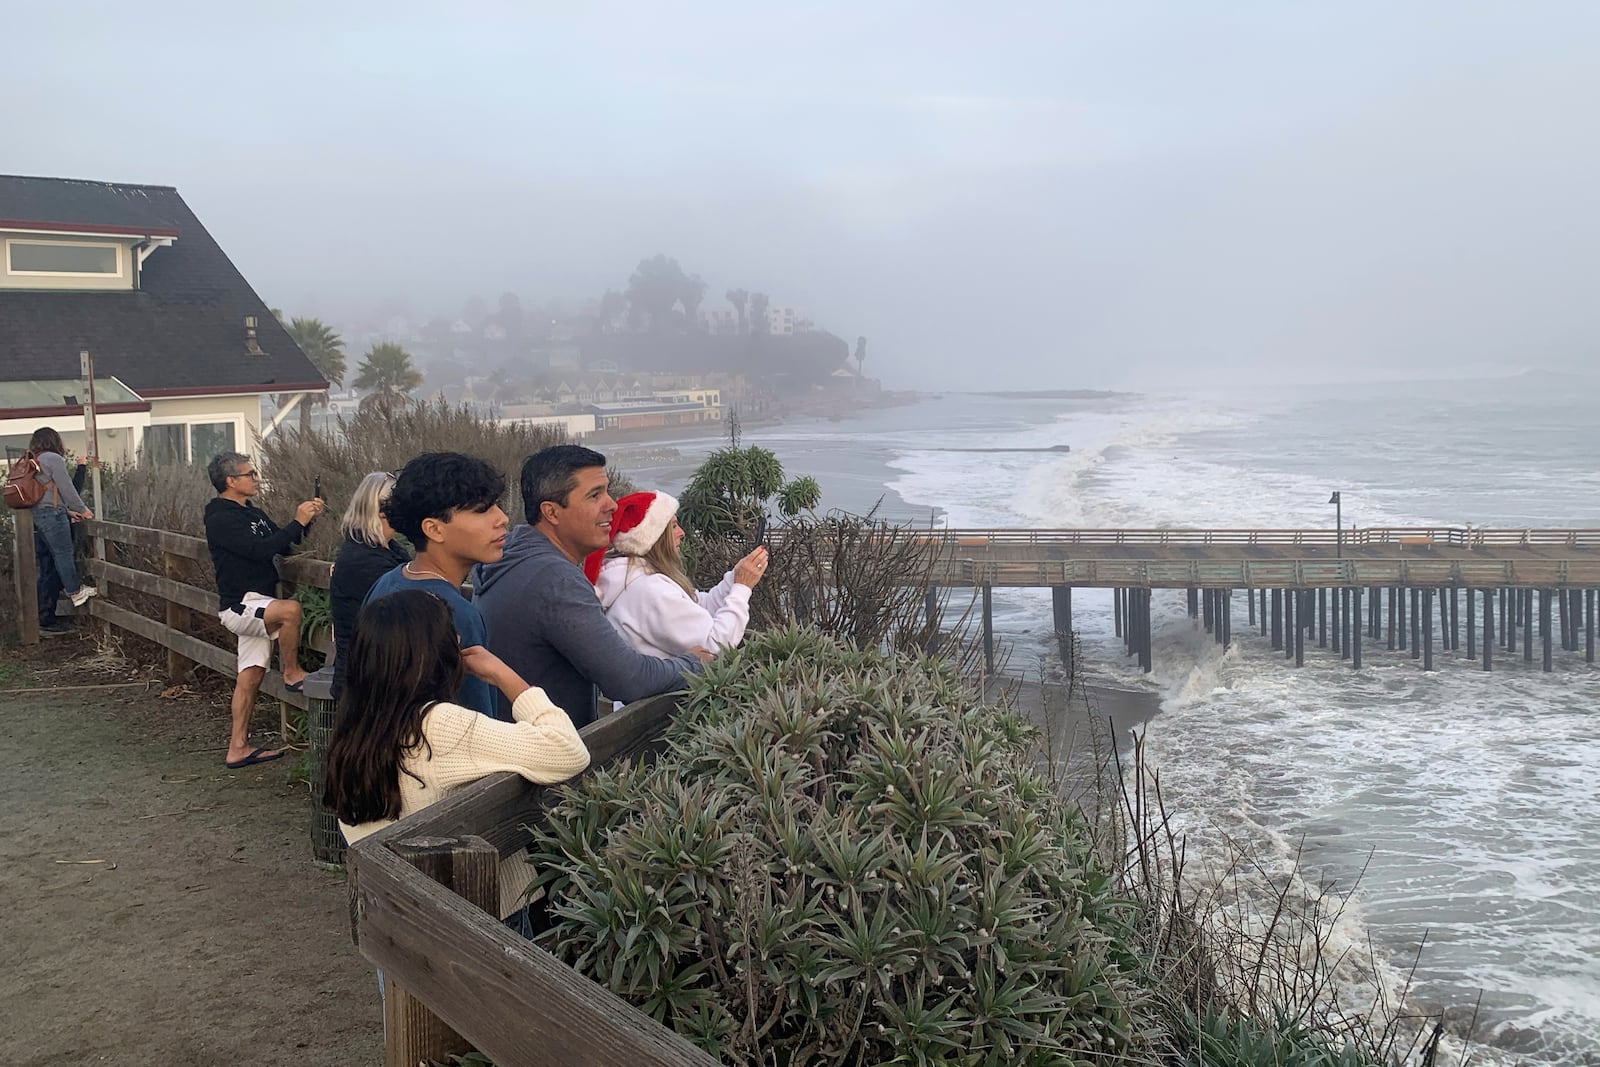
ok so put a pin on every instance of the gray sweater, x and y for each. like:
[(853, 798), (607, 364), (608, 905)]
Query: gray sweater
[(545, 621), (53, 470)]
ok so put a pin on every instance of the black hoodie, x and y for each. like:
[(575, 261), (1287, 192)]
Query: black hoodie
[(243, 541)]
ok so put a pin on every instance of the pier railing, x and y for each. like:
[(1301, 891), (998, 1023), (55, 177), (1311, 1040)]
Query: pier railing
[(1456, 536), (1268, 574)]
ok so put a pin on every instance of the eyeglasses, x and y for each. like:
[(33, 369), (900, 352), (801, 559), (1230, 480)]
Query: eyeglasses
[(247, 474)]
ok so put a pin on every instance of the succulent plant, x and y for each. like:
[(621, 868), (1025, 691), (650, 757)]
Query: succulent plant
[(843, 855)]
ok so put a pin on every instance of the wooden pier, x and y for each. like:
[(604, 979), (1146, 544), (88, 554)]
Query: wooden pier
[(1403, 586)]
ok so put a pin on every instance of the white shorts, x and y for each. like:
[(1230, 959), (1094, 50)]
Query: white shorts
[(246, 620)]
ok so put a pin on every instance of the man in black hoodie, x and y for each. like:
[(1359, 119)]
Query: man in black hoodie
[(542, 614), (243, 542)]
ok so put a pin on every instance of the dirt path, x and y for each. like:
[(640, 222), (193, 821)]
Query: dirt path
[(206, 936)]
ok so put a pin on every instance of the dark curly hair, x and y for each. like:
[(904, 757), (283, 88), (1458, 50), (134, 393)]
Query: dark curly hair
[(552, 473), (436, 485)]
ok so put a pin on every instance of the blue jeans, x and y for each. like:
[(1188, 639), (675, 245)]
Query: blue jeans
[(52, 548)]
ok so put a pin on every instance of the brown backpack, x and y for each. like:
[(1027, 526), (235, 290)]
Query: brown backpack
[(23, 487)]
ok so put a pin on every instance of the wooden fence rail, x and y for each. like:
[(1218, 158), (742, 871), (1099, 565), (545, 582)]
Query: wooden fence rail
[(176, 557), (455, 977)]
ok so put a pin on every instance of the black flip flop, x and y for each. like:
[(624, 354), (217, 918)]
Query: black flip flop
[(295, 687), (253, 759)]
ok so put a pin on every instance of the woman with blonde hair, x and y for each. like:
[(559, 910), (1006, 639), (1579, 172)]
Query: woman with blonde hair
[(648, 597), (368, 552)]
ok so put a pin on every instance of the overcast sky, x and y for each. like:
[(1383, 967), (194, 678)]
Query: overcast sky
[(1031, 195)]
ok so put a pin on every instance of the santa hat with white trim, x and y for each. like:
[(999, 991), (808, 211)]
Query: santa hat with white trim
[(637, 524)]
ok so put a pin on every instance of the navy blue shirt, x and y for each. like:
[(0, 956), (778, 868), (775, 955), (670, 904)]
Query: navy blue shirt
[(475, 693)]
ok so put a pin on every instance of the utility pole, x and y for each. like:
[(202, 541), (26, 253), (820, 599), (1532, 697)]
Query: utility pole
[(91, 437), (1338, 525)]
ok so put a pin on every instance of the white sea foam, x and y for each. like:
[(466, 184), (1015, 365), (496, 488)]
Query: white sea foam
[(1466, 798)]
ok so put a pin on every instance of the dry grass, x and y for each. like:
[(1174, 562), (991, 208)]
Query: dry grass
[(856, 578), (378, 440)]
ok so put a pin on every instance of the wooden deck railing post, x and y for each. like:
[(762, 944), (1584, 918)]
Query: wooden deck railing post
[(470, 868), (105, 587), (25, 571)]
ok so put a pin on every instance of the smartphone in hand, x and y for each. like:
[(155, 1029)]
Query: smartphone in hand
[(761, 533), (316, 488)]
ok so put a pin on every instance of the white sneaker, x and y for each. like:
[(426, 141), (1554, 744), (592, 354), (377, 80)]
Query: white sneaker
[(83, 594)]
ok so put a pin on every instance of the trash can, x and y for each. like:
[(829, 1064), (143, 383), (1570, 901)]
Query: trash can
[(327, 843)]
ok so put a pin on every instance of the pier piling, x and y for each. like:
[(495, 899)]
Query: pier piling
[(1472, 639), (1427, 628), (1355, 630), (1588, 625), (1545, 636), (1488, 629)]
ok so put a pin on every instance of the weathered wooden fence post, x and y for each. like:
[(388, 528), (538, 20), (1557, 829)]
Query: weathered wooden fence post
[(470, 868), (25, 572)]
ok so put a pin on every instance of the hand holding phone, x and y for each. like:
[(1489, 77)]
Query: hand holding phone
[(761, 533), (316, 488)]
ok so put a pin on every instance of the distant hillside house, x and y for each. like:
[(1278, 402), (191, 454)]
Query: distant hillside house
[(666, 407), (787, 320), (183, 347)]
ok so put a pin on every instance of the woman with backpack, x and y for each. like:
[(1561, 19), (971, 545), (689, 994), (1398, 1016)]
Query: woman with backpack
[(58, 508)]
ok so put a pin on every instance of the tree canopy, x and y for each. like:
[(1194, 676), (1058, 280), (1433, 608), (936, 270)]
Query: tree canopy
[(657, 287), (388, 373), (322, 346)]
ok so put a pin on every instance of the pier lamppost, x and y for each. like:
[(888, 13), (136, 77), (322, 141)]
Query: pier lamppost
[(1338, 525)]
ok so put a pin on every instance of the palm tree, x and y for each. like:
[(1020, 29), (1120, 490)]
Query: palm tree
[(387, 372), (325, 350), (740, 299)]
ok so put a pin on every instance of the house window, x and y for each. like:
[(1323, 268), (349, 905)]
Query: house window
[(72, 258), (174, 443), (210, 438), (164, 445)]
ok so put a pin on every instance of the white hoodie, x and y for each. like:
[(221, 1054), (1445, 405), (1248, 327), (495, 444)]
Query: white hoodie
[(656, 617)]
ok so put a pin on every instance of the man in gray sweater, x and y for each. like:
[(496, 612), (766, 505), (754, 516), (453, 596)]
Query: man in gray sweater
[(542, 614)]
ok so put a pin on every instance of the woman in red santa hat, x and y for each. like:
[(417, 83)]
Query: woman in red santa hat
[(648, 597)]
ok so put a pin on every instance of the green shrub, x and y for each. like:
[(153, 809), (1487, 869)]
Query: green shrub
[(842, 856), (1222, 1039)]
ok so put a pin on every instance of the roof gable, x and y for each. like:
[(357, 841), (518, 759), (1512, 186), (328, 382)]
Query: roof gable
[(181, 331)]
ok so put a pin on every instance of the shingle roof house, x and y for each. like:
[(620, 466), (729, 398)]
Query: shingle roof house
[(130, 274)]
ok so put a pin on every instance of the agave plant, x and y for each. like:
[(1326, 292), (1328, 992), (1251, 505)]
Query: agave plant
[(841, 855)]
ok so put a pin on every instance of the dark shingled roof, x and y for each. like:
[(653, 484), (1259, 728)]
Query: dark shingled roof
[(181, 331)]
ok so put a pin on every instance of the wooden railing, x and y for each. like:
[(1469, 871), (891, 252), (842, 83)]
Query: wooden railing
[(455, 977), (164, 566)]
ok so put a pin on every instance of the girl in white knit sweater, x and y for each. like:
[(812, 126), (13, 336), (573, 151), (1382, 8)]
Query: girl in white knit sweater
[(647, 596), (399, 744)]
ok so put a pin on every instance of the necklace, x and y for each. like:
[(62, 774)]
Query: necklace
[(415, 571)]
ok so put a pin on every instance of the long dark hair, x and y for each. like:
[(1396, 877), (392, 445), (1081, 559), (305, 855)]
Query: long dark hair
[(45, 439), (404, 657)]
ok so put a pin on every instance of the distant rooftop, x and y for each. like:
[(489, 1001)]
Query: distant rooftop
[(75, 204)]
